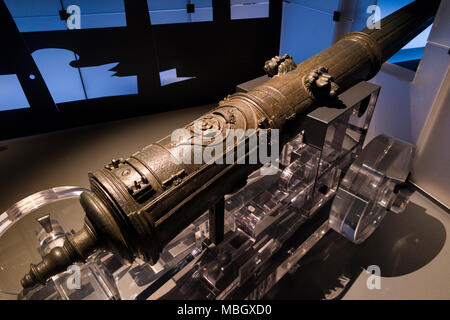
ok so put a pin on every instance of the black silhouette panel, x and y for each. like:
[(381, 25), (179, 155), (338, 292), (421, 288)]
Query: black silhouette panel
[(211, 57)]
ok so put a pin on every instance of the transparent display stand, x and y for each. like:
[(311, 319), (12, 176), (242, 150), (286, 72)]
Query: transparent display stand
[(325, 180)]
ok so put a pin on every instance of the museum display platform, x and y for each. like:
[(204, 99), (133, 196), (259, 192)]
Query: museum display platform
[(411, 248)]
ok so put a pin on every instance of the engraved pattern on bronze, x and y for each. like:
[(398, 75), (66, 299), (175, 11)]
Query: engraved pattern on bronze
[(279, 65)]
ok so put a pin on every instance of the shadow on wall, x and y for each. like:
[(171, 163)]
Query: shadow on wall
[(402, 244), (119, 63)]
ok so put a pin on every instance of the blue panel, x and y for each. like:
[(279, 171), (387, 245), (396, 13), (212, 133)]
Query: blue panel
[(305, 31), (203, 3), (100, 13), (407, 55), (32, 15), (97, 6), (174, 11), (421, 40), (88, 21), (33, 8), (100, 82), (202, 14), (11, 93), (247, 2), (169, 16), (63, 81), (43, 15), (323, 5), (245, 9), (154, 5), (106, 20), (361, 15), (389, 6), (414, 49), (170, 76), (47, 23)]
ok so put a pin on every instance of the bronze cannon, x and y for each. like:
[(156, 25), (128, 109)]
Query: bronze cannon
[(137, 205)]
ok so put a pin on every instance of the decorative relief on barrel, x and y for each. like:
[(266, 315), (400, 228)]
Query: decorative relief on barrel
[(133, 175), (279, 65), (210, 138), (214, 127), (320, 84)]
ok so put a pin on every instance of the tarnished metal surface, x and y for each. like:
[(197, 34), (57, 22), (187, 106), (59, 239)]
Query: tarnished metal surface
[(139, 204)]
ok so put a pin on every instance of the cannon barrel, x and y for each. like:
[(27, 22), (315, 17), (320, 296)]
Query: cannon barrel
[(137, 205)]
